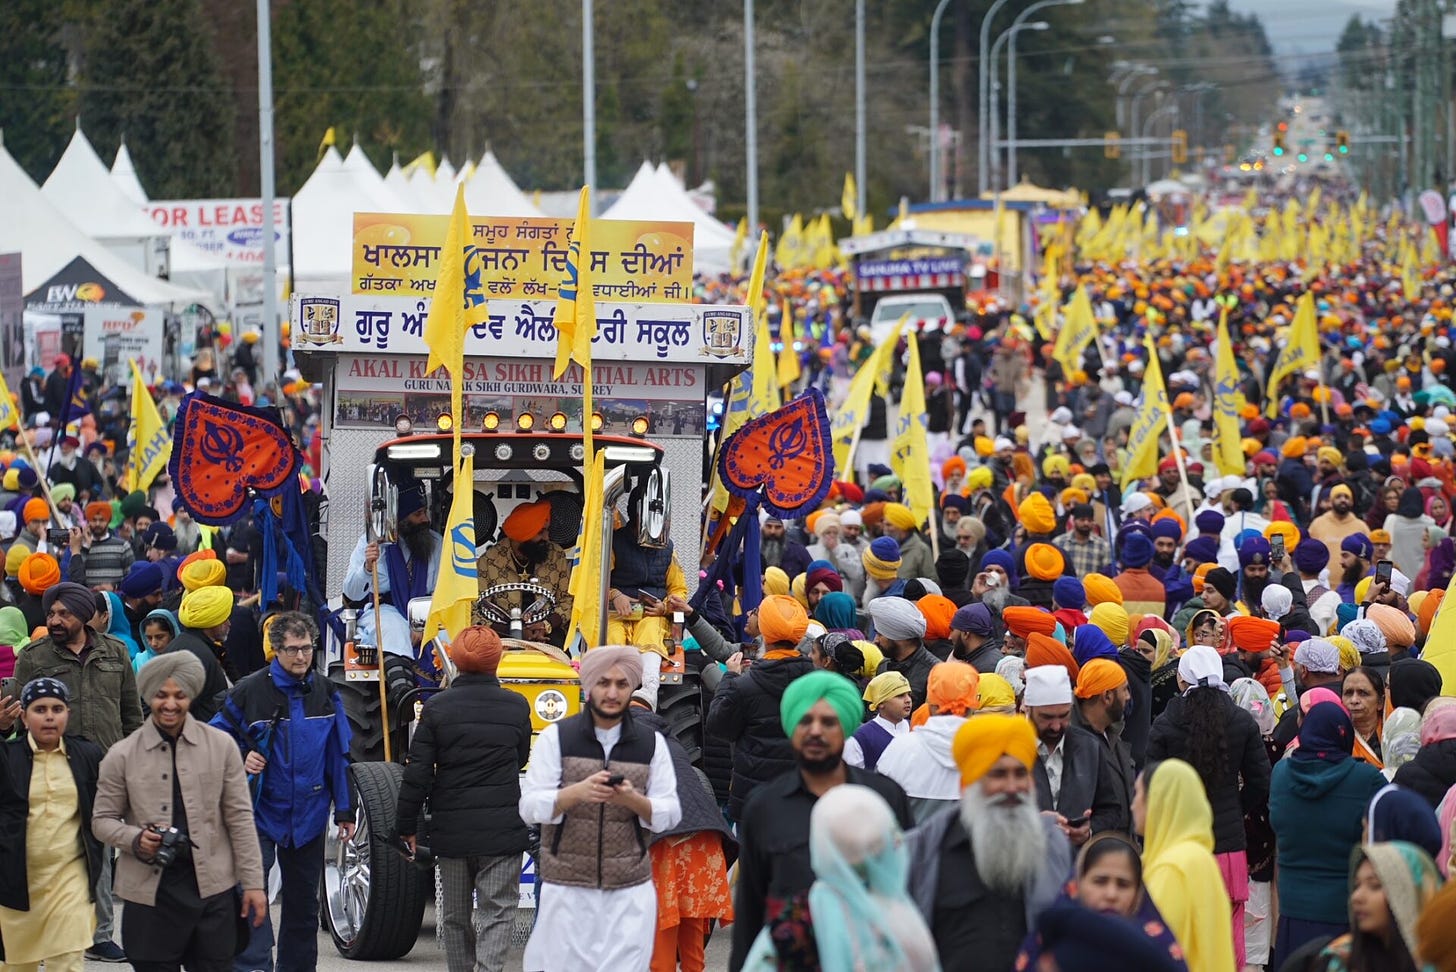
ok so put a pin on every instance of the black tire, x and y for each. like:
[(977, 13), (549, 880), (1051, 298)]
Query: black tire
[(394, 904), (361, 705), (681, 707)]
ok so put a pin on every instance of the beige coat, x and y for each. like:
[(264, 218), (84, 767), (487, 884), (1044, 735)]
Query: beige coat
[(135, 788)]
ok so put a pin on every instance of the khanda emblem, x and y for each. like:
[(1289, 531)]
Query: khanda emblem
[(1226, 395)]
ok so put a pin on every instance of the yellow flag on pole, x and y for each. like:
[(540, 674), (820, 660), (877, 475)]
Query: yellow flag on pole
[(1441, 642), (1302, 350), (740, 239), (849, 198), (910, 448), (1079, 328), (151, 446), (1149, 423), (1227, 400), (445, 326), (791, 243), (850, 418), (9, 414), (456, 582), (576, 312), (585, 583), (788, 368), (1410, 275)]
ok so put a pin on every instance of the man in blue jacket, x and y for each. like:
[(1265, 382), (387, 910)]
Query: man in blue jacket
[(291, 726)]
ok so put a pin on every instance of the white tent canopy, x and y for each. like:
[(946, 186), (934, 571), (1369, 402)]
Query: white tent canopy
[(81, 187), (432, 196), (124, 174), (323, 221), (492, 192), (48, 241), (399, 184), (651, 195)]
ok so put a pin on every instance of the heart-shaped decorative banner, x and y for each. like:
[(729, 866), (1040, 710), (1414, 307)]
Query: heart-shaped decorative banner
[(224, 453), (786, 452)]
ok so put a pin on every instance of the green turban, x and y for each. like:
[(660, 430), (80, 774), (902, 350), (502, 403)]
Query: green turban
[(806, 690)]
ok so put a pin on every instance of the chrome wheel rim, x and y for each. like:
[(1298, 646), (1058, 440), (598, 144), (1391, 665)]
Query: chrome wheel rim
[(346, 880)]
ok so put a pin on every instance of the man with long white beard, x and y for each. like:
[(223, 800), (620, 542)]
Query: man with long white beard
[(984, 871)]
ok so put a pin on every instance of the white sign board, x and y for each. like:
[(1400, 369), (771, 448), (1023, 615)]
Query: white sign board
[(230, 228), (116, 334)]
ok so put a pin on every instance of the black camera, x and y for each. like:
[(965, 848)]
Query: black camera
[(175, 843), (58, 538)]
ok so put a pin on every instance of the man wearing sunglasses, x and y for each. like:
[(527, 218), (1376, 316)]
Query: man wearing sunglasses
[(290, 724)]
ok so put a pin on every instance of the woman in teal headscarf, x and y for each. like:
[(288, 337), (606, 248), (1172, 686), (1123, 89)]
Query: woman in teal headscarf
[(118, 626), (860, 916), (159, 616), (839, 614)]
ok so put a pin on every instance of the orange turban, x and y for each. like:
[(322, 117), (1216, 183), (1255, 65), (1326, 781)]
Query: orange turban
[(938, 611), (1294, 447), (38, 573), (1022, 621), (1044, 561), (477, 649), (1394, 623), (527, 520), (1044, 650), (1099, 675), (1100, 588), (953, 688), (1037, 515), (1201, 573), (98, 510), (1429, 606), (952, 466), (982, 741), (782, 619), (1252, 634), (35, 509), (872, 514)]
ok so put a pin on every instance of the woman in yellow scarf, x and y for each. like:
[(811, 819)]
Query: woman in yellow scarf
[(1171, 811)]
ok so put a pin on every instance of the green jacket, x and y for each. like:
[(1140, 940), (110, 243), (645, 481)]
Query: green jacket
[(105, 707)]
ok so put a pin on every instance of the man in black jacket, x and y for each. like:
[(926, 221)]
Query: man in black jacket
[(745, 709), (1073, 778), (465, 758), (819, 711)]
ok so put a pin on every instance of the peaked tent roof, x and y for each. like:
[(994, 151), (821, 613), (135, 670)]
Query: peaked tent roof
[(432, 196), (48, 241), (399, 184), (124, 174), (492, 192), (323, 218), (81, 187), (653, 197)]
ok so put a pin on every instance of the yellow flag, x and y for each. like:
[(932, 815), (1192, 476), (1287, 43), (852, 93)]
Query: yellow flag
[(788, 368), (791, 244), (1227, 400), (585, 585), (9, 415), (910, 448), (847, 422), (849, 198), (1079, 328), (576, 312), (445, 326), (1302, 351), (1441, 642), (1148, 425), (740, 238), (151, 446), (456, 581), (328, 140), (1410, 275)]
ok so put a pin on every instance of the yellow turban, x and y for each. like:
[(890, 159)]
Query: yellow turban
[(983, 446), (1329, 454), (206, 607), (14, 557), (980, 478), (898, 515), (873, 657), (1055, 466), (985, 739), (1037, 515), (1044, 561), (883, 688), (1113, 621), (1099, 675), (1349, 654), (1101, 589), (1285, 529), (775, 581), (1363, 588), (203, 573), (995, 693)]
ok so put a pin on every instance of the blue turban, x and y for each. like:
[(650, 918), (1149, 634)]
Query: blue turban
[(1004, 560), (1137, 550), (1202, 548), (1254, 550), (1068, 592)]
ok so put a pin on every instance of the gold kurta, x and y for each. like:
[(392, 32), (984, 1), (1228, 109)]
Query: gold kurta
[(61, 918)]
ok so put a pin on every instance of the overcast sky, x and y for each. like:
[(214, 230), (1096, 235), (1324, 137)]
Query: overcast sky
[(1310, 26)]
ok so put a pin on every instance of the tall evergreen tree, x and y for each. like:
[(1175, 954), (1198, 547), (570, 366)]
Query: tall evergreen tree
[(36, 102)]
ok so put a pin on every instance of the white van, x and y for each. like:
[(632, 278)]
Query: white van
[(928, 311)]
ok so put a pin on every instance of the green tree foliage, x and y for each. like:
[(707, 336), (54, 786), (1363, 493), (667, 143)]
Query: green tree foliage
[(149, 73), (35, 104)]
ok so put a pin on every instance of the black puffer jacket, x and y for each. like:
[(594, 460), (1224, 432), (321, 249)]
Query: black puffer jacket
[(699, 810), (745, 711), (16, 763), (1432, 772), (466, 758), (1247, 759)]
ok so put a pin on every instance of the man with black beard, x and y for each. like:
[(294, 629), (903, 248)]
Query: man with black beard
[(818, 711), (1356, 553), (406, 569), (778, 550), (983, 872), (525, 554), (1253, 573)]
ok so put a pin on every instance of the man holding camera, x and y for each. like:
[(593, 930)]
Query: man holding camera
[(290, 724), (612, 779), (98, 556)]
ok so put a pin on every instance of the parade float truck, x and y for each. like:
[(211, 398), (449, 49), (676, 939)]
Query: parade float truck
[(925, 273), (386, 423)]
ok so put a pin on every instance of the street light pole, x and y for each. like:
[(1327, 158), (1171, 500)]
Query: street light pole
[(859, 106), (750, 121), (588, 96), (982, 119), (1007, 36), (936, 193), (1170, 109), (265, 159), (1011, 79)]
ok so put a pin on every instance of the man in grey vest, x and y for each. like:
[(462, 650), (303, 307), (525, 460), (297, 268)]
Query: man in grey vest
[(597, 782)]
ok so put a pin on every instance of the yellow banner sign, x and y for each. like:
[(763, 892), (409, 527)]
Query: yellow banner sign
[(525, 257)]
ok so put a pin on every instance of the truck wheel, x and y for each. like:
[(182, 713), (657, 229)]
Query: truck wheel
[(373, 899), (361, 705), (681, 707)]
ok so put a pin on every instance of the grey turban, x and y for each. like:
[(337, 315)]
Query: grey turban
[(181, 666)]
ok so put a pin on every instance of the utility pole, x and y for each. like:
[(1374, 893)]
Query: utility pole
[(859, 106), (750, 121), (588, 96), (265, 158)]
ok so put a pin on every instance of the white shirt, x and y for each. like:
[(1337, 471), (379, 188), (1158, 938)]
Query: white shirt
[(543, 779), (854, 755), (1051, 761)]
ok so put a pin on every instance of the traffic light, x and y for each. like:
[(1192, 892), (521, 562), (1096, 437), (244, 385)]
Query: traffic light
[(1111, 145), (1302, 157), (1342, 142), (1279, 142), (1180, 146)]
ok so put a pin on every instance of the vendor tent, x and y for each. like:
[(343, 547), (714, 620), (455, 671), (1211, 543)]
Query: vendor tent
[(492, 192), (323, 222), (1027, 192), (431, 196), (48, 241), (651, 196), (80, 186), (124, 174), (398, 183)]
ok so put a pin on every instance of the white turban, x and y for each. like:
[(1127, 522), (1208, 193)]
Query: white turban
[(1047, 685), (897, 618), (1277, 601)]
